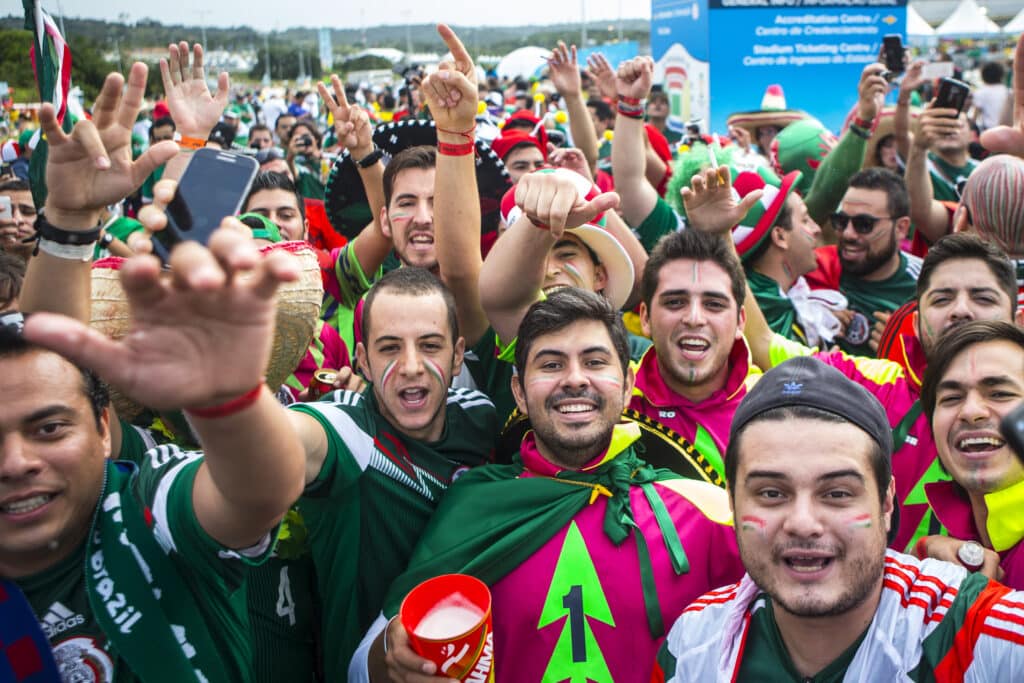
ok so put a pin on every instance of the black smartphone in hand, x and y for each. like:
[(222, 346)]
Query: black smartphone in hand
[(892, 53), (214, 185), (952, 94)]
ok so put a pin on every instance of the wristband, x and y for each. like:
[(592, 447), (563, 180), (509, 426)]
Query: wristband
[(629, 111), (468, 134), (634, 101), (920, 551), (371, 158), (452, 150), (107, 239), (186, 142), (231, 407), (71, 252), (859, 131), (386, 627), (47, 231), (865, 124)]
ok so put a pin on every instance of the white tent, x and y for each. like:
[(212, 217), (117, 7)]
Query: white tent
[(525, 62), (1015, 25), (917, 27), (968, 20)]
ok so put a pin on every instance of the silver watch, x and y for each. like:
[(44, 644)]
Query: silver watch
[(971, 555)]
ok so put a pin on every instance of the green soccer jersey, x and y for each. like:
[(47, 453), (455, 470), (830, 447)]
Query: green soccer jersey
[(765, 657), (778, 310), (867, 297), (947, 179), (374, 495), (212, 575)]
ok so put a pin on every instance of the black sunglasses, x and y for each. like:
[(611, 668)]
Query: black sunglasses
[(863, 224)]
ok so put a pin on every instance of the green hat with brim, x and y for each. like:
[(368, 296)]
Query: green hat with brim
[(262, 227), (755, 227)]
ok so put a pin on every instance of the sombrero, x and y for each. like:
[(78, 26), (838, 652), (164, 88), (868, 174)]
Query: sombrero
[(773, 112), (298, 307), (345, 197)]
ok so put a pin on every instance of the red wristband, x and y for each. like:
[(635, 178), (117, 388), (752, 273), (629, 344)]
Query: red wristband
[(861, 123), (468, 134), (185, 142), (452, 150), (635, 101), (920, 551), (231, 407)]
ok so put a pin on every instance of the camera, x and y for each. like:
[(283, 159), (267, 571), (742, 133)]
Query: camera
[(305, 141)]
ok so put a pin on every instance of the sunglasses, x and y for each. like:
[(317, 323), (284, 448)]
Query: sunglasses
[(863, 224)]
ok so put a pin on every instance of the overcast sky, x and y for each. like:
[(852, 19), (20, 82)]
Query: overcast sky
[(271, 14)]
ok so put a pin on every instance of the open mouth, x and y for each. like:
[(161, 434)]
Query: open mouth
[(421, 240), (807, 565), (413, 398), (979, 444), (693, 347), (26, 505)]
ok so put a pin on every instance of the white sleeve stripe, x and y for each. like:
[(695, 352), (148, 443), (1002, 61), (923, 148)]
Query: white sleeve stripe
[(161, 525), (359, 443)]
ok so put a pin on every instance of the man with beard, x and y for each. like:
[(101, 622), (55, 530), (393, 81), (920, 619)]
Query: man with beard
[(576, 502), (823, 600), (867, 266)]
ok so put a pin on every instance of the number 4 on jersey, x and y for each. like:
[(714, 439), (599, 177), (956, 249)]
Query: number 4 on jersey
[(576, 593)]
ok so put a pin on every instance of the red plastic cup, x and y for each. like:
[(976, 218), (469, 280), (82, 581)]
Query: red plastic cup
[(448, 619)]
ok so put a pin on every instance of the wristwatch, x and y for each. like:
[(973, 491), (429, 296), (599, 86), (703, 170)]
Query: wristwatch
[(971, 555), (371, 158)]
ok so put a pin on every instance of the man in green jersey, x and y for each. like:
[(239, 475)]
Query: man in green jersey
[(134, 572)]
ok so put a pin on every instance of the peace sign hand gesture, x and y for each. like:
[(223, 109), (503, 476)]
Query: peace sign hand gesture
[(351, 122)]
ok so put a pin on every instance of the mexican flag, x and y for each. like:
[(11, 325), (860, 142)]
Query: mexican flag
[(51, 58)]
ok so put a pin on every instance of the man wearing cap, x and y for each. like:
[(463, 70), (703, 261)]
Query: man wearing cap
[(975, 379), (577, 512), (521, 152), (776, 243), (812, 495)]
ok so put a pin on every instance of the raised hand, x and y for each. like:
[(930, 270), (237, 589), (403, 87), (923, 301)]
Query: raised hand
[(564, 70), (634, 78), (935, 124), (711, 205), (553, 200), (912, 79), (602, 74), (187, 326), (871, 91), (92, 167), (451, 91), (194, 109), (351, 123), (570, 158), (1010, 139)]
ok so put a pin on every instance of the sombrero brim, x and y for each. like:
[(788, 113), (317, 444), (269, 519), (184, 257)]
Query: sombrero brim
[(752, 120), (617, 265), (345, 198)]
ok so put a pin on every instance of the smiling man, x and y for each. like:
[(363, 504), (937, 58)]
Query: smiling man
[(823, 600), (577, 510), (976, 378)]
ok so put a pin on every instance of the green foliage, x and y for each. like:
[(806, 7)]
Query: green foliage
[(366, 63), (284, 63), (15, 65)]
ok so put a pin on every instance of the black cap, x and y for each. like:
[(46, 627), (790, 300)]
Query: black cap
[(806, 381)]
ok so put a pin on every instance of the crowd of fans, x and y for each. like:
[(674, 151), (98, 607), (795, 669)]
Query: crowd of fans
[(695, 405)]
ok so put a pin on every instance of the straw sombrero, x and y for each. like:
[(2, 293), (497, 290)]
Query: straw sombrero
[(298, 308), (773, 112)]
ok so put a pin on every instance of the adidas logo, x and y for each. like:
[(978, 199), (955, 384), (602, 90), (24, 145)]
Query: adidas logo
[(59, 619)]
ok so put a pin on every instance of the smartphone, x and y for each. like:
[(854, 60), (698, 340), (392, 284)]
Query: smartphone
[(952, 94), (214, 185), (1012, 428), (892, 53), (6, 212)]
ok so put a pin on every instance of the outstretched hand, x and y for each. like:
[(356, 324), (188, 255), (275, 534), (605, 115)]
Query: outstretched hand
[(351, 123), (712, 205), (553, 200), (187, 326), (602, 74), (92, 167), (451, 91), (194, 109), (564, 70), (635, 77)]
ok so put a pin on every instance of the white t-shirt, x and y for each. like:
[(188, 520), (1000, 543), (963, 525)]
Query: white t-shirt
[(989, 101)]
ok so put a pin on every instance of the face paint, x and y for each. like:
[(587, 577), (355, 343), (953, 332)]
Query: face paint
[(860, 521), (573, 273), (434, 369), (696, 272), (752, 523), (389, 370), (787, 269)]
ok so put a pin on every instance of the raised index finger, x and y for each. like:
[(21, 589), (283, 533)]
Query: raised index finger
[(339, 92), (463, 62)]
